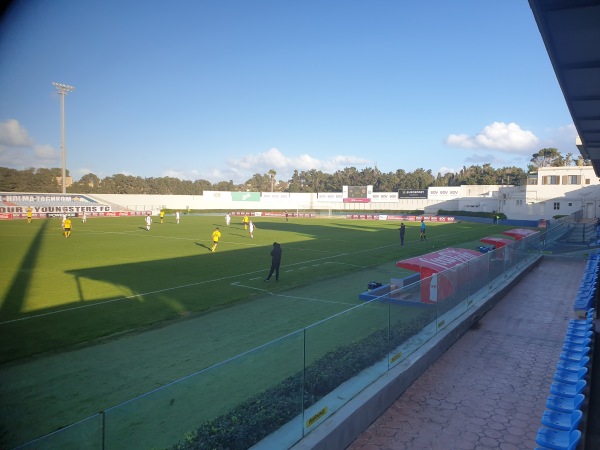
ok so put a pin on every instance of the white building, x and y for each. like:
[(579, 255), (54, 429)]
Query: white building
[(549, 192)]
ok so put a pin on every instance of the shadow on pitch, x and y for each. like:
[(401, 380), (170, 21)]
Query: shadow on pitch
[(200, 244)]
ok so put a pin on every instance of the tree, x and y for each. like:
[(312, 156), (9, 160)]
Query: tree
[(272, 173), (547, 157), (224, 186), (581, 161)]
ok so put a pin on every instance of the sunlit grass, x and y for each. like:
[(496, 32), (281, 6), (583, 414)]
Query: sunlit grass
[(112, 275)]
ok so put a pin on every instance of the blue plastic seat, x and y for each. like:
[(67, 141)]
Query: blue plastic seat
[(567, 389), (564, 404), (562, 421), (581, 322), (573, 366), (574, 355), (574, 346), (579, 334), (580, 327), (557, 439), (574, 342), (565, 376), (577, 341)]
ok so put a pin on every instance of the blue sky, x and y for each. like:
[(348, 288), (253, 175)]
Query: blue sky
[(221, 90)]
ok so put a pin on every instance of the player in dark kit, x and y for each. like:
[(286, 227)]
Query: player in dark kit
[(402, 232), (275, 261)]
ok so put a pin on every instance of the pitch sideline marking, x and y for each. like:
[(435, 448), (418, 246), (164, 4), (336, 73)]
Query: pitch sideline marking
[(129, 297), (296, 297)]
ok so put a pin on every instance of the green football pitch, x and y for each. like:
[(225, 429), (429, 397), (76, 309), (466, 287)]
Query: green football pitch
[(113, 276), (164, 306)]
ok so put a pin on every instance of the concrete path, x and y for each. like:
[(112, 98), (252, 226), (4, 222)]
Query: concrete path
[(489, 390)]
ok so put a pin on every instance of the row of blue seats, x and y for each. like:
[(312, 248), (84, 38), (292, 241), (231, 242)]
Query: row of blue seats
[(588, 287), (566, 403)]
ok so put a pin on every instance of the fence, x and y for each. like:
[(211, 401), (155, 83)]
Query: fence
[(274, 395)]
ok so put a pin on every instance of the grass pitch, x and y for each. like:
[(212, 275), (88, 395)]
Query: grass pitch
[(112, 276), (113, 282)]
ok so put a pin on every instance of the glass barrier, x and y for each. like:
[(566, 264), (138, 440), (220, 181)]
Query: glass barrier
[(271, 396), (412, 322), (232, 394), (344, 353), (83, 435)]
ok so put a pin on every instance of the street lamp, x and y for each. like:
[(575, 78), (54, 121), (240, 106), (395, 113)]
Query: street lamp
[(63, 90)]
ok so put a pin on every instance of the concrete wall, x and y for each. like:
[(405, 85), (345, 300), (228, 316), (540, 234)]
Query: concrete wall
[(576, 189)]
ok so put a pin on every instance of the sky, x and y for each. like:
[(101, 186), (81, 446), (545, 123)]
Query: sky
[(223, 90)]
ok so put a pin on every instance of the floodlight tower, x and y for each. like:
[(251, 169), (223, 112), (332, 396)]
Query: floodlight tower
[(63, 90)]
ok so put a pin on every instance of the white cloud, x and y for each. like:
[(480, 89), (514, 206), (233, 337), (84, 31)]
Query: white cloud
[(285, 165), (499, 136), (562, 138), (12, 134), (241, 169), (46, 153), (19, 151)]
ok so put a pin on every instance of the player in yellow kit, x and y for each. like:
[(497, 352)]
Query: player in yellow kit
[(215, 237), (67, 227), (29, 214)]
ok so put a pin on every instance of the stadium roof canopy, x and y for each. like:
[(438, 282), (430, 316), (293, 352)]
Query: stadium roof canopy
[(570, 30)]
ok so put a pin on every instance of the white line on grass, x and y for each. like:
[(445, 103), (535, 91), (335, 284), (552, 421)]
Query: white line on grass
[(199, 283), (295, 297)]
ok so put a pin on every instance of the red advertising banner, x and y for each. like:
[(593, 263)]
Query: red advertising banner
[(363, 216), (357, 200)]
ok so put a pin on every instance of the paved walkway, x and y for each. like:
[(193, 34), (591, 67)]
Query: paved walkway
[(489, 390)]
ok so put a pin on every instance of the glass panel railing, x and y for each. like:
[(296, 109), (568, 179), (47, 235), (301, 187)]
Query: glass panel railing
[(270, 397), (83, 435), (412, 322), (234, 404), (496, 265), (352, 345), (452, 290)]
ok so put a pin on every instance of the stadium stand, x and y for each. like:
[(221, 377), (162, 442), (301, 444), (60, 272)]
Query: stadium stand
[(564, 420)]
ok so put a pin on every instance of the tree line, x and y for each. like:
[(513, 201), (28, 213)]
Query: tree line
[(47, 180)]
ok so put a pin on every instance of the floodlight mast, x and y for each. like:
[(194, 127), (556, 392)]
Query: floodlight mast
[(63, 89)]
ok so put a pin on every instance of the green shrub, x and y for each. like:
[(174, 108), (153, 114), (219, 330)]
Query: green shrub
[(253, 420)]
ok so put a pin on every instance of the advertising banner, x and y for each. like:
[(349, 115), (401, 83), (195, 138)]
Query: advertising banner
[(363, 216), (245, 196), (380, 197), (335, 197), (275, 195), (412, 193), (357, 200), (55, 209), (443, 193), (35, 198)]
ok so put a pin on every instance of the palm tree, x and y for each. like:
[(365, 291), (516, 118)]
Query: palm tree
[(272, 173)]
